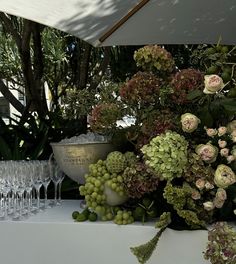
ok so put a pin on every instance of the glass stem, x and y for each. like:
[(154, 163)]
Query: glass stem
[(55, 193), (45, 196), (59, 191), (38, 198)]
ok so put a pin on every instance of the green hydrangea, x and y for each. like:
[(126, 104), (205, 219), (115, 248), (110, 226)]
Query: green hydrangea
[(154, 58), (166, 154)]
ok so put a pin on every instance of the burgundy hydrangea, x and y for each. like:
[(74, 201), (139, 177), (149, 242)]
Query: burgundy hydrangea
[(156, 124), (142, 88), (184, 82), (104, 116), (139, 180)]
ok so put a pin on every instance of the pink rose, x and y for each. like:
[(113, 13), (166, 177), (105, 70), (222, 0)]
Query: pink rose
[(231, 126), (230, 158), (211, 132), (233, 135), (200, 184), (224, 152), (221, 194), (213, 83), (222, 130), (222, 143), (218, 203), (207, 152), (189, 122), (196, 195)]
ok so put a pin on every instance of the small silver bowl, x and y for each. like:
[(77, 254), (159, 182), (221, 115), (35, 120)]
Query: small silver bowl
[(74, 159)]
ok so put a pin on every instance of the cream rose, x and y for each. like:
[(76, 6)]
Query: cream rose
[(222, 130), (230, 158), (213, 83), (222, 143), (208, 206), (233, 136), (189, 122), (207, 152), (221, 194), (231, 126), (224, 176), (200, 184), (211, 132), (224, 152)]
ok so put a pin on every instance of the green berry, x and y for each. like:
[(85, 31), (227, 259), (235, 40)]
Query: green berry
[(75, 214), (86, 212), (92, 217), (81, 218)]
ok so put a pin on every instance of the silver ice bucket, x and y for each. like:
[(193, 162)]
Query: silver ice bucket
[(74, 159)]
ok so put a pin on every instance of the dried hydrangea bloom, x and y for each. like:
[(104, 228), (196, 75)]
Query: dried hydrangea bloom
[(143, 88), (221, 244), (185, 81), (104, 116)]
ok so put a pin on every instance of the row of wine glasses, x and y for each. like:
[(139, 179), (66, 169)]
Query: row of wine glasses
[(20, 185)]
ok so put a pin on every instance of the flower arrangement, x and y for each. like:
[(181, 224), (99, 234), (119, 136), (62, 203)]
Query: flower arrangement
[(178, 158)]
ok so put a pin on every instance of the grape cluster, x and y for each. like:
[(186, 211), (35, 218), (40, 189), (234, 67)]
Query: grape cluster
[(100, 182), (123, 217)]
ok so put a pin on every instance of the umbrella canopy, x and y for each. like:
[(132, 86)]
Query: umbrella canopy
[(134, 22)]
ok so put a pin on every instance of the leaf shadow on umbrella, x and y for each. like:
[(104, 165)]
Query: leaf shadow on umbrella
[(174, 21), (97, 19)]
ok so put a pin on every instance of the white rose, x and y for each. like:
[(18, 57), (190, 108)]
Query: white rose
[(208, 206), (213, 83)]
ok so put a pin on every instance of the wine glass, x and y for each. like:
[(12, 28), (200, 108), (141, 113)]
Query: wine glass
[(37, 180), (56, 175), (45, 176)]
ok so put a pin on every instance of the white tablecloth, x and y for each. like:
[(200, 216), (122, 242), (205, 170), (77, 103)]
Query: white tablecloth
[(52, 237)]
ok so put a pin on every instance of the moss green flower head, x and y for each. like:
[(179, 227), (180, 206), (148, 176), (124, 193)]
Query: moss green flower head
[(213, 83), (189, 122), (224, 176), (207, 152), (166, 154)]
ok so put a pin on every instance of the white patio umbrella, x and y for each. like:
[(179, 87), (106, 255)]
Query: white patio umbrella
[(134, 22)]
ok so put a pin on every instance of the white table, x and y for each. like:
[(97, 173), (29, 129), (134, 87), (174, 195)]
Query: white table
[(52, 237)]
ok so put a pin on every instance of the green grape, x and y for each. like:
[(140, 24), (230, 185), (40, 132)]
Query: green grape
[(123, 217), (94, 187)]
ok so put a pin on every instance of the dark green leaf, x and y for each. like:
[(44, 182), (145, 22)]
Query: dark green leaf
[(194, 94)]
